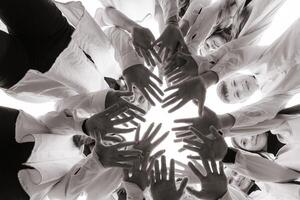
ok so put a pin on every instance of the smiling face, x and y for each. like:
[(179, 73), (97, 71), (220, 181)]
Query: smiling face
[(238, 181), (253, 143), (214, 42), (237, 89)]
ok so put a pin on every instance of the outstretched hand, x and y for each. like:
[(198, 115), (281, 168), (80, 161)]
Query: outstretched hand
[(140, 76), (103, 123), (142, 39), (213, 146), (213, 184), (113, 156), (180, 67), (170, 41), (163, 187)]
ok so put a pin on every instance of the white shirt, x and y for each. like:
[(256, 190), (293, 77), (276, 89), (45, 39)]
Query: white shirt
[(280, 65)]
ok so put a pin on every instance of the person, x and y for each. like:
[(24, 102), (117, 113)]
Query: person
[(280, 71), (119, 14), (217, 29), (279, 176), (72, 63), (98, 169)]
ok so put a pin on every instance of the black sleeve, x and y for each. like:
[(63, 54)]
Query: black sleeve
[(230, 156)]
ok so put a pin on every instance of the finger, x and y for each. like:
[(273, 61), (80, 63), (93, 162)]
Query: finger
[(153, 158), (166, 54), (125, 94), (193, 142), (112, 138), (117, 112), (156, 42), (172, 101), (148, 131), (111, 109), (191, 148), (179, 105), (181, 150), (134, 123), (122, 145), (133, 114), (179, 75), (154, 94), (215, 132), (182, 79), (122, 121), (136, 108), (206, 166), (156, 88), (122, 130), (221, 168), (163, 168), (154, 133), (146, 95), (181, 128), (129, 153), (137, 134), (182, 186), (155, 54), (173, 72), (192, 191), (214, 166), (199, 134), (159, 140), (200, 107), (196, 171), (184, 134), (174, 94), (185, 120), (151, 60), (172, 170), (122, 116), (145, 57), (157, 172), (173, 87), (138, 50), (181, 164), (121, 165), (157, 79), (128, 158), (194, 157), (152, 178)]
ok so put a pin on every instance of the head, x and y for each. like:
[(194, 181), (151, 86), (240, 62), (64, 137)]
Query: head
[(237, 89), (238, 181), (254, 143)]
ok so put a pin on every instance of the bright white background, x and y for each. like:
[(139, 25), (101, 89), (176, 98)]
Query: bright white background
[(284, 18)]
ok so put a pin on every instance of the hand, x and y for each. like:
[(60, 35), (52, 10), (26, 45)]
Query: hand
[(142, 39), (163, 188), (114, 97), (139, 76), (202, 123), (187, 172), (180, 67), (103, 124), (194, 88), (141, 170), (146, 144), (214, 146), (170, 41), (213, 184), (112, 156)]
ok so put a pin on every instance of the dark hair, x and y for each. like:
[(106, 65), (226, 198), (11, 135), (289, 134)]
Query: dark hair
[(183, 9)]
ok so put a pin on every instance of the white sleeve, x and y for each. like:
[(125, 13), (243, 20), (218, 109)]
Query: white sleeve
[(192, 12), (261, 169), (169, 8), (133, 191), (87, 103), (233, 194), (237, 59), (90, 177), (266, 108), (125, 54)]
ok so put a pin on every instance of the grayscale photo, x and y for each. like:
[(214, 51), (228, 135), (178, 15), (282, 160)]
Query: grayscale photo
[(150, 99)]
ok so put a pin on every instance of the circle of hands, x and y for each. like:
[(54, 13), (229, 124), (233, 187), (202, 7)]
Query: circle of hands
[(200, 135)]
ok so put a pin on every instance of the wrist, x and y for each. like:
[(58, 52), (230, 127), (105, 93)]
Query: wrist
[(227, 121), (132, 26), (172, 21), (209, 78)]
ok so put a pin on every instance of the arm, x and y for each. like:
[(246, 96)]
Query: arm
[(169, 9), (258, 168), (266, 108)]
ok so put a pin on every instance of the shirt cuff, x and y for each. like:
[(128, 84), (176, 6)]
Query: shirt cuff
[(130, 59), (133, 191), (230, 156)]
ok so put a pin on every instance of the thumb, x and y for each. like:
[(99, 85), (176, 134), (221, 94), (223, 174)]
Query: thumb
[(182, 186)]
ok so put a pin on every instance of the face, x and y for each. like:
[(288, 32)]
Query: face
[(214, 42), (252, 143), (238, 181), (237, 89)]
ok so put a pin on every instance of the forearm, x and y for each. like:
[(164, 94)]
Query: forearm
[(209, 78), (170, 10), (114, 17), (227, 121)]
